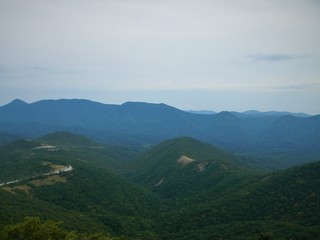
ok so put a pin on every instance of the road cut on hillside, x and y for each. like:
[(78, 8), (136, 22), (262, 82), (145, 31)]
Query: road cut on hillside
[(55, 172)]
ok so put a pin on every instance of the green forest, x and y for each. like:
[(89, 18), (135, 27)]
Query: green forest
[(179, 189)]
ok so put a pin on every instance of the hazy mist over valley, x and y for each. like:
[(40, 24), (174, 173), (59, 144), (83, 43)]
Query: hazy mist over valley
[(159, 120)]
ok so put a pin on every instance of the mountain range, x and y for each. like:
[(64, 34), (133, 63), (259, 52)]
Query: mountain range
[(181, 188), (268, 139)]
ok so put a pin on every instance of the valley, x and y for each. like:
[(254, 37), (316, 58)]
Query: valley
[(145, 171)]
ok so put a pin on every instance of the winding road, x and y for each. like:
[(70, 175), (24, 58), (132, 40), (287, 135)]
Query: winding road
[(55, 172)]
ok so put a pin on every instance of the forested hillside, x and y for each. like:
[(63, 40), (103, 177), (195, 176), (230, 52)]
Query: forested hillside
[(88, 198), (179, 189)]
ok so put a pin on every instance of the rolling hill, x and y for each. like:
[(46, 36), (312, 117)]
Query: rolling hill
[(183, 167), (283, 205), (212, 195), (88, 197), (179, 189), (268, 139)]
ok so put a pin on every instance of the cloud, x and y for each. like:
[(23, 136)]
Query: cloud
[(50, 49), (275, 57)]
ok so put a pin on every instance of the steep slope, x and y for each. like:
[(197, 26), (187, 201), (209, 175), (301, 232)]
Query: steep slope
[(183, 167), (211, 195), (88, 189), (284, 204), (15, 206), (293, 195)]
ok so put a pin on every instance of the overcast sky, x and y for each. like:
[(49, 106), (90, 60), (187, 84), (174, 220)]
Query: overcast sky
[(202, 54)]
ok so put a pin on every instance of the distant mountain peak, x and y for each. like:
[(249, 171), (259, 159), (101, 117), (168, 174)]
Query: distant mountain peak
[(137, 103), (226, 115), (17, 102), (143, 104)]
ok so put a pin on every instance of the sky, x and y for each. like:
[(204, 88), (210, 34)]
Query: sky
[(201, 55)]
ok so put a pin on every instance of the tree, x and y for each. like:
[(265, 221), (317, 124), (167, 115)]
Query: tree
[(32, 229)]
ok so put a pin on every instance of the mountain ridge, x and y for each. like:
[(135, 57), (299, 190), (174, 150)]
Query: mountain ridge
[(205, 204), (205, 112), (142, 124), (178, 168)]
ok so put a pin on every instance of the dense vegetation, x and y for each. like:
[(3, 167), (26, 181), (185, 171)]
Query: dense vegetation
[(210, 169), (32, 229), (90, 198), (179, 189)]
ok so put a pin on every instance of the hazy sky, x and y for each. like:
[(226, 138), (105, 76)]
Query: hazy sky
[(201, 54)]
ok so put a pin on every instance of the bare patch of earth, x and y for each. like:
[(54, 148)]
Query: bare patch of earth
[(185, 160), (49, 180), (13, 190)]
